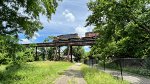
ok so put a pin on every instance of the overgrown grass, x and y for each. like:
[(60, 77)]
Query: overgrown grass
[(32, 73), (94, 76)]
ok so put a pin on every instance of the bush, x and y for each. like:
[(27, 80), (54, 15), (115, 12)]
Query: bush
[(4, 59), (29, 56)]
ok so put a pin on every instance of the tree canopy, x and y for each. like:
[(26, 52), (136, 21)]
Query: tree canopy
[(22, 16), (123, 27)]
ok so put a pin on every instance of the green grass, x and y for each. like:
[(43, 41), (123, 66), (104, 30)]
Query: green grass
[(32, 73), (94, 76)]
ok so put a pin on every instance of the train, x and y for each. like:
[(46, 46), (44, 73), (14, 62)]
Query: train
[(75, 37), (67, 37), (90, 36)]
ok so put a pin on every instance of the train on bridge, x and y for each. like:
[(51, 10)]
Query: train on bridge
[(67, 40), (75, 37)]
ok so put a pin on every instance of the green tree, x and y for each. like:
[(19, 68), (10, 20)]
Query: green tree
[(8, 48), (77, 51), (22, 16), (123, 27), (48, 52), (29, 54)]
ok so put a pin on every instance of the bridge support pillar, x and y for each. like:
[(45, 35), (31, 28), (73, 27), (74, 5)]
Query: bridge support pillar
[(59, 53), (55, 57), (68, 58), (36, 56), (71, 53)]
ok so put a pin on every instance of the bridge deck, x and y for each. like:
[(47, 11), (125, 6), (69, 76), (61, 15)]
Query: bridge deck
[(65, 43)]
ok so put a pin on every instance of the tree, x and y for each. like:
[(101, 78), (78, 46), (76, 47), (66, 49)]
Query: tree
[(22, 16), (77, 51), (123, 26), (49, 38), (51, 52), (48, 52)]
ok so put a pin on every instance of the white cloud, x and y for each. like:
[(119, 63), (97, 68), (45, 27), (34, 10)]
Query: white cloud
[(69, 16), (35, 36), (82, 30), (56, 22), (25, 41)]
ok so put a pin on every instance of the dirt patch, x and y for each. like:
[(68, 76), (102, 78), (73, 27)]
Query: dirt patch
[(71, 76)]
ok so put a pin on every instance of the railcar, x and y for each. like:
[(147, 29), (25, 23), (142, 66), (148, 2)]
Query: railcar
[(67, 37), (90, 36)]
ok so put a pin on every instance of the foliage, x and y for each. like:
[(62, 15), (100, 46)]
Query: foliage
[(50, 52), (86, 55), (123, 27), (32, 73), (49, 38), (9, 48), (95, 76), (22, 16), (29, 54), (77, 51), (11, 51), (25, 55), (47, 53)]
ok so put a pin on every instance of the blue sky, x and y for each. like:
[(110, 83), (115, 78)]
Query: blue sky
[(69, 18)]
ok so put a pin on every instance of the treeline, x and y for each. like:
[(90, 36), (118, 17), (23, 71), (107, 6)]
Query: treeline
[(123, 27), (12, 52)]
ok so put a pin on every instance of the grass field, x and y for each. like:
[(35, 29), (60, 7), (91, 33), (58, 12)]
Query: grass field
[(32, 73), (94, 76)]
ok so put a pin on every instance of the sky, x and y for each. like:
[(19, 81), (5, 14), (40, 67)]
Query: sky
[(70, 17)]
